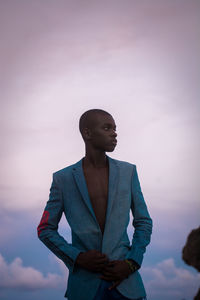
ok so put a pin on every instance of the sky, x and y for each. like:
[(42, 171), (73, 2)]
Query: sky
[(139, 60)]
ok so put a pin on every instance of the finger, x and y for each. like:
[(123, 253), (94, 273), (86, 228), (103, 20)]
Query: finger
[(100, 263), (98, 267), (110, 274), (101, 266), (109, 266), (113, 262), (99, 254), (107, 274), (116, 283), (110, 269), (101, 259)]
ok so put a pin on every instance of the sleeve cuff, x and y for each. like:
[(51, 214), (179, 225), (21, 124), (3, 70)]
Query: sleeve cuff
[(136, 256), (71, 263)]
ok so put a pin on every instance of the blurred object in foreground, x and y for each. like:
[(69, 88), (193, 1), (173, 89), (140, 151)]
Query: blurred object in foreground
[(191, 252)]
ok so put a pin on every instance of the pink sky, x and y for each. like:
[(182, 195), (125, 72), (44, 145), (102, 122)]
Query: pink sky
[(137, 59)]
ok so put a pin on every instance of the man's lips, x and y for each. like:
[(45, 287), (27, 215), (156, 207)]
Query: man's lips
[(114, 142)]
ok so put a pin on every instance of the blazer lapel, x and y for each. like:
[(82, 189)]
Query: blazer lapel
[(112, 189), (112, 186), (82, 186)]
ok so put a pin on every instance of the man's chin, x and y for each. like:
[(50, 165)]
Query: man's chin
[(110, 149)]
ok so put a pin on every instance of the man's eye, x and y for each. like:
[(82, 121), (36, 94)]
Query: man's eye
[(106, 128)]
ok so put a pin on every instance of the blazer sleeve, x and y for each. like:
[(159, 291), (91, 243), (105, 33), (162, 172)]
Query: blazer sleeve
[(48, 227), (142, 222)]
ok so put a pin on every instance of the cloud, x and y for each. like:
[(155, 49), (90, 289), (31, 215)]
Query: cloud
[(17, 276), (164, 281), (167, 281)]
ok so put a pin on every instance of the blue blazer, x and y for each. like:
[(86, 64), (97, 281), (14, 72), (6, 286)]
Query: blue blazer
[(69, 194)]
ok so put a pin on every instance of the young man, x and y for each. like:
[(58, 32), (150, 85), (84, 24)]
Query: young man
[(96, 195)]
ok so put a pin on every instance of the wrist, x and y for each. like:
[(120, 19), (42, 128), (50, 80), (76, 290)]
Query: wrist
[(132, 266), (79, 259)]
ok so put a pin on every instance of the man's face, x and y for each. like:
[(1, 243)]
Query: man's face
[(103, 133)]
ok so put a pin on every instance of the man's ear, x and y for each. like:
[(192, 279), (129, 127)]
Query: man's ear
[(87, 134)]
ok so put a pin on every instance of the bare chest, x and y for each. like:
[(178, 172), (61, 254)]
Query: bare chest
[(97, 184)]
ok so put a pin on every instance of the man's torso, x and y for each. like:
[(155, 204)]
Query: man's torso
[(97, 184)]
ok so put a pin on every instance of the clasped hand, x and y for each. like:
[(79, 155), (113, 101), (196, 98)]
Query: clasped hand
[(95, 261)]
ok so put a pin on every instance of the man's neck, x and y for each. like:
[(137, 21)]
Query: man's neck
[(95, 159)]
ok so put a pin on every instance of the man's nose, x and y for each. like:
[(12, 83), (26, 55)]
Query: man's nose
[(114, 133)]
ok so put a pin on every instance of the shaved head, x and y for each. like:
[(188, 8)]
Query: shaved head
[(87, 120)]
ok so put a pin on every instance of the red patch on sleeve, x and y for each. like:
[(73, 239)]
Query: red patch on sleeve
[(44, 222)]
